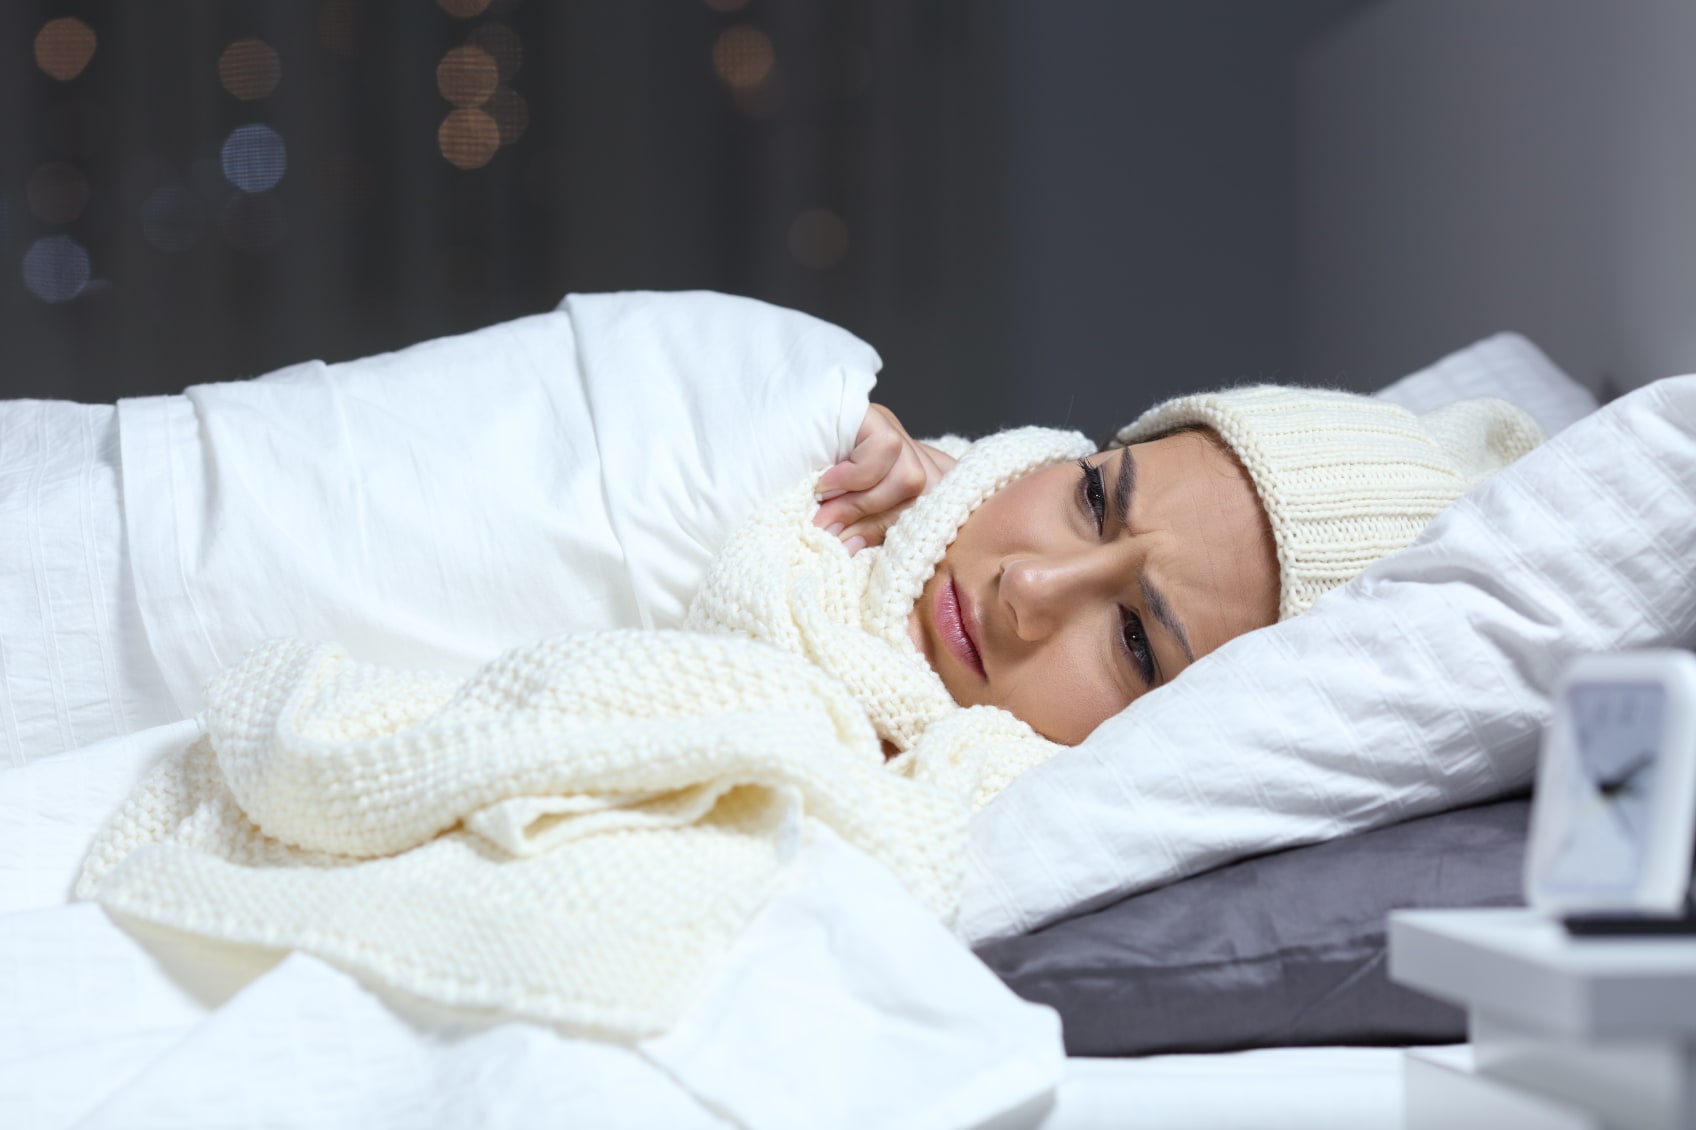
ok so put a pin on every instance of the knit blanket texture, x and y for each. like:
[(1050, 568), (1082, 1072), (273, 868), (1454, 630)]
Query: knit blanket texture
[(574, 833)]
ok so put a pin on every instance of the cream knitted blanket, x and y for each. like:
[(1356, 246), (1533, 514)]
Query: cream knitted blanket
[(576, 831)]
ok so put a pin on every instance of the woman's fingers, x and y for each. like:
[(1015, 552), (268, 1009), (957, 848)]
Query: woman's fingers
[(865, 467), (848, 509), (904, 482), (860, 497), (872, 530)]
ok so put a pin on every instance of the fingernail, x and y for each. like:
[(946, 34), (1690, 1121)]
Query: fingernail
[(835, 528), (830, 494), (854, 544)]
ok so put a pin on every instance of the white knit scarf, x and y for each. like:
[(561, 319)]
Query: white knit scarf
[(573, 833)]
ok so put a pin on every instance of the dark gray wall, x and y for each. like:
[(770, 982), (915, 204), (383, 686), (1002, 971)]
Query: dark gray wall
[(1154, 190), (1471, 166), (1055, 211)]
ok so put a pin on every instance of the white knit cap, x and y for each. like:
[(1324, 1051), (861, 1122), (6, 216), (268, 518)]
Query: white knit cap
[(1345, 479)]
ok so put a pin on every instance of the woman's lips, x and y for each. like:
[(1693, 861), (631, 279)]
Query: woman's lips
[(952, 613)]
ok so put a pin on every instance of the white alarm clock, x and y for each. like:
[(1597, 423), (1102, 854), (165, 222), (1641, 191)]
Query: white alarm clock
[(1613, 819)]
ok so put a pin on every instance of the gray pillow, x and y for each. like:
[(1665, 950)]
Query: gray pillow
[(1282, 949)]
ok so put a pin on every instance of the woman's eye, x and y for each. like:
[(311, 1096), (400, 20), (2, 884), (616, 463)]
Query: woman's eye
[(1093, 495), (1136, 644)]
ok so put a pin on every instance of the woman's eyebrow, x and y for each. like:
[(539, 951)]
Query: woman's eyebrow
[(1124, 488), (1162, 611)]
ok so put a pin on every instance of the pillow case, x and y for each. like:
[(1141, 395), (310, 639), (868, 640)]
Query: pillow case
[(1505, 365), (1283, 949), (1419, 686)]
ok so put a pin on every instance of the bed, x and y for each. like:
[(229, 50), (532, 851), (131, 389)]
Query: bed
[(843, 1003)]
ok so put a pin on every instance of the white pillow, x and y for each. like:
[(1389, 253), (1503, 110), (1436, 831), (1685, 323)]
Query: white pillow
[(430, 508), (1506, 365), (1421, 685)]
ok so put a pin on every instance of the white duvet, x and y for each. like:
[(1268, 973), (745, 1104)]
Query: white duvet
[(430, 508)]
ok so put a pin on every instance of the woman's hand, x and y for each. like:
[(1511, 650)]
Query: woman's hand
[(864, 494)]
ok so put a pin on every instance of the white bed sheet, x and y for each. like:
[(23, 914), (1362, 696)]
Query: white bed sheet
[(1266, 1089), (186, 1039)]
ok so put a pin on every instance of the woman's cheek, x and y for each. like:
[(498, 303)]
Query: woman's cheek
[(1065, 699)]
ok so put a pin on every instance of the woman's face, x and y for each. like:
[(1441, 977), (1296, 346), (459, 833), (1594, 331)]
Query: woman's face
[(1078, 588)]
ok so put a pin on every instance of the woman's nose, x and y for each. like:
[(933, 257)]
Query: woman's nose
[(1040, 591)]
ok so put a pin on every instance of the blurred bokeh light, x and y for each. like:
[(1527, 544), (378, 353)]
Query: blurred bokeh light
[(742, 56), (249, 69), (511, 113), (468, 138), (463, 9), (63, 47), (56, 268), (254, 158), (57, 193), (467, 76)]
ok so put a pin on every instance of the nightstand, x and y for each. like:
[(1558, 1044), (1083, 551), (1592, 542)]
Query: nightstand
[(1592, 1033)]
